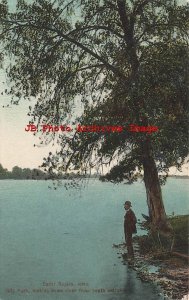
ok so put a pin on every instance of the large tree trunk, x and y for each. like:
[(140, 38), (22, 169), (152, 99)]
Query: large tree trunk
[(153, 191)]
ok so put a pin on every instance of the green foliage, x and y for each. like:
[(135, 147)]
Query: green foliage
[(19, 173), (158, 244), (180, 228), (3, 172)]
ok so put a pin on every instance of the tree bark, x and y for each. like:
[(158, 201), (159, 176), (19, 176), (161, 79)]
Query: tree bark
[(153, 190)]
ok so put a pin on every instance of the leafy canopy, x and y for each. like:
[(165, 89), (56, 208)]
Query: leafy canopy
[(125, 61)]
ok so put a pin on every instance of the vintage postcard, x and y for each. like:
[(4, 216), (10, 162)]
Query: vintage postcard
[(94, 149)]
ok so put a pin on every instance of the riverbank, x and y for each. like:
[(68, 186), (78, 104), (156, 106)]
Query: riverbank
[(170, 273), (167, 269)]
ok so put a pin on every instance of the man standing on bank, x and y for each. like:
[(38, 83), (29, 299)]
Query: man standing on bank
[(129, 228)]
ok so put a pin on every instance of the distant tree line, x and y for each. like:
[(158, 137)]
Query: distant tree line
[(19, 173), (35, 174)]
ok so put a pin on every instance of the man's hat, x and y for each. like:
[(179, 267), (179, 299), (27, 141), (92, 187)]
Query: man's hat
[(128, 203)]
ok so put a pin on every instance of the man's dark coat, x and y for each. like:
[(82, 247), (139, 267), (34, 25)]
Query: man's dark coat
[(130, 222), (129, 229)]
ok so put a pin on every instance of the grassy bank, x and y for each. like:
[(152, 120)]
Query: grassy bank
[(155, 243), (180, 226), (154, 262), (169, 254)]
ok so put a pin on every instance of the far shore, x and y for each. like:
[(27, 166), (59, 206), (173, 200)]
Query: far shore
[(95, 176)]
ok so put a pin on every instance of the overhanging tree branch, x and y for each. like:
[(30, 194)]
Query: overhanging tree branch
[(97, 27), (115, 70)]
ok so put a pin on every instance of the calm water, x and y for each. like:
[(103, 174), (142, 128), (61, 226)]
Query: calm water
[(63, 238)]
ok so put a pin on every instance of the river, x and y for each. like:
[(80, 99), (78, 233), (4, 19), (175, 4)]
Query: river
[(57, 244)]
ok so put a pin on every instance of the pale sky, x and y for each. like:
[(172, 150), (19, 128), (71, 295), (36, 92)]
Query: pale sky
[(16, 146)]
